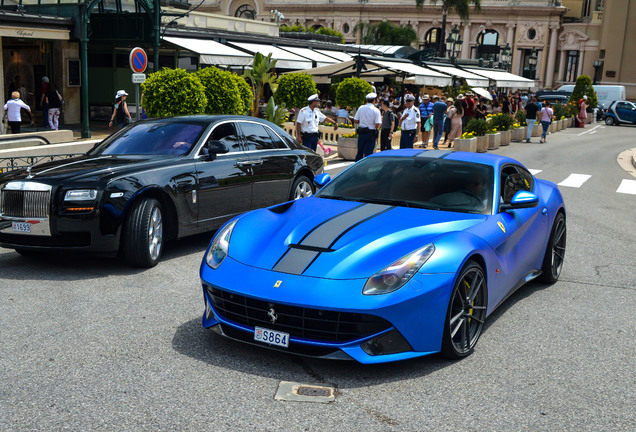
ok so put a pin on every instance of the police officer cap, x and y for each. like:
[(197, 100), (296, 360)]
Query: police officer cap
[(312, 98), (409, 97), (371, 96)]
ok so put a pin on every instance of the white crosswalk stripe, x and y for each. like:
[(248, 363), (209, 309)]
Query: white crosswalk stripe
[(627, 187), (575, 180), (534, 172), (338, 165)]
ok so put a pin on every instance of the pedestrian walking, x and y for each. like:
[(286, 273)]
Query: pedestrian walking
[(367, 121), (120, 110), (469, 108), (531, 116), (426, 112), (54, 101), (455, 114), (307, 122), (13, 107), (546, 118), (43, 103), (389, 120), (582, 111), (439, 111), (410, 122)]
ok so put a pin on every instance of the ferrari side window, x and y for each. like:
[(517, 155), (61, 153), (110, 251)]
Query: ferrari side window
[(528, 180)]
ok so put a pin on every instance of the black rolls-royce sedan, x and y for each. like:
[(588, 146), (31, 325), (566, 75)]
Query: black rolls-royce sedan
[(154, 181)]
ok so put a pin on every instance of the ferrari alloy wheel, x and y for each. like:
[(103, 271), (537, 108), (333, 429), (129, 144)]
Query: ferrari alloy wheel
[(555, 252), (142, 241), (302, 188), (609, 120), (466, 312)]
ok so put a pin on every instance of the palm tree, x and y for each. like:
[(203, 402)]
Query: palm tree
[(461, 8), (260, 75)]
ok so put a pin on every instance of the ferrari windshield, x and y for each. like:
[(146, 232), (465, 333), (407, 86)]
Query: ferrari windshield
[(421, 182), (163, 137)]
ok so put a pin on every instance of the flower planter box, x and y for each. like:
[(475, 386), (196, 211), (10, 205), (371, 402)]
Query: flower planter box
[(395, 142), (553, 128), (505, 138), (536, 130), (465, 144), (482, 144), (347, 148), (494, 140), (570, 121), (518, 134)]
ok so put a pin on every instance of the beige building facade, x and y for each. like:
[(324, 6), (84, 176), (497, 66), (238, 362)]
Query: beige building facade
[(569, 37)]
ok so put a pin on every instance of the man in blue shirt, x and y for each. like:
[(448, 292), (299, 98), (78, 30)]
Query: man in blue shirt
[(439, 111), (426, 110)]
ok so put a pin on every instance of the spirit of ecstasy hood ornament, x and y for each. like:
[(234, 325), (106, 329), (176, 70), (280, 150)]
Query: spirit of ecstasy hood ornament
[(29, 176)]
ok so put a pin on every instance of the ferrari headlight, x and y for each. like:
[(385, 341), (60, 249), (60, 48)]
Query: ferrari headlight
[(220, 246), (399, 273), (81, 195)]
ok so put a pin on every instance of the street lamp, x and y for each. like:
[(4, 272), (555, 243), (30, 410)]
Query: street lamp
[(506, 57), (454, 44), (532, 62), (597, 65), (277, 16)]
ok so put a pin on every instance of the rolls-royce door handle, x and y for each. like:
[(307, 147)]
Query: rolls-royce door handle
[(257, 161), (249, 163)]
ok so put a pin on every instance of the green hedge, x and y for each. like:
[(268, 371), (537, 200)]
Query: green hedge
[(351, 92), (221, 91), (294, 89), (173, 92)]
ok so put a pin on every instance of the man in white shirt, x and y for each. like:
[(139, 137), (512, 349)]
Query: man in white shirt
[(307, 123), (13, 107), (410, 122), (368, 120)]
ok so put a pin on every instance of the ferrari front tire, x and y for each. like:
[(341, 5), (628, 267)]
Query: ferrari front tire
[(555, 251), (142, 242), (466, 312)]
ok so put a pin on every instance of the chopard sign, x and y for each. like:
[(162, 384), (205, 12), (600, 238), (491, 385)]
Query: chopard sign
[(24, 33)]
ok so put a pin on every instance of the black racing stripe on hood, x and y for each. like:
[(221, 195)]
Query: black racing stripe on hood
[(296, 260)]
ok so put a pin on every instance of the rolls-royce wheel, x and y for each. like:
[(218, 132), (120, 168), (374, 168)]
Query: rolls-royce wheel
[(466, 312), (142, 241), (302, 188), (555, 251)]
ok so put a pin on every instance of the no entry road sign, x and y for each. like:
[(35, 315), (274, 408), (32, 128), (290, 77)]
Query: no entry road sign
[(138, 60)]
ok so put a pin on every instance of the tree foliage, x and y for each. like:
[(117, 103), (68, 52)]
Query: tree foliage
[(247, 97), (293, 89), (460, 7), (385, 33), (351, 92), (221, 91), (173, 92), (299, 28), (277, 114), (260, 75), (584, 87)]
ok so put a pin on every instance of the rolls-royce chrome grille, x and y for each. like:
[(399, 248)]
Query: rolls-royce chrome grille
[(25, 200)]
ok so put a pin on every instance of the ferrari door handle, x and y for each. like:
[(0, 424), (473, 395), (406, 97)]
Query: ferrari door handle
[(544, 212)]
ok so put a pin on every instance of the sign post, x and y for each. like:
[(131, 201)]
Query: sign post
[(138, 62)]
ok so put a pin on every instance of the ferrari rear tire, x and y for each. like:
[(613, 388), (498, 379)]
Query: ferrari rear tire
[(555, 251), (466, 312), (302, 188), (142, 242)]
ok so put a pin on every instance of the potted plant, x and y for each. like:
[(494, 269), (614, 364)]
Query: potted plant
[(494, 139), (479, 128), (502, 123), (347, 142), (467, 143)]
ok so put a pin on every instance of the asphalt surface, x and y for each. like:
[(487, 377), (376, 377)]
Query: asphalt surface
[(89, 344)]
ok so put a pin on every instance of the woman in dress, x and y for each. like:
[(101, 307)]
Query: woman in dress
[(455, 113), (583, 111)]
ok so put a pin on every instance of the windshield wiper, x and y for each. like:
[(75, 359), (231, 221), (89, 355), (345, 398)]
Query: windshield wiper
[(336, 197), (386, 201)]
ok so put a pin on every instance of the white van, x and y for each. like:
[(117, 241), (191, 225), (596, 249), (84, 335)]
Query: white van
[(606, 94)]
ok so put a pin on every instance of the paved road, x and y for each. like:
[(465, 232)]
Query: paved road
[(89, 344)]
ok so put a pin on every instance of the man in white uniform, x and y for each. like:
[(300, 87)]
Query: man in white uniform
[(410, 122), (307, 122), (368, 120)]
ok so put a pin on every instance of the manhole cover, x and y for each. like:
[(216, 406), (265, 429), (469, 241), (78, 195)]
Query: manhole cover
[(297, 392)]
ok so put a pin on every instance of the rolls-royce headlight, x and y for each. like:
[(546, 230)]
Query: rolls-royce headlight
[(220, 246), (399, 273), (81, 195)]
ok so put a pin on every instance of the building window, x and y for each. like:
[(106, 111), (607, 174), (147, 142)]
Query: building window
[(432, 37), (488, 45), (571, 66), (345, 28), (246, 11), (532, 33)]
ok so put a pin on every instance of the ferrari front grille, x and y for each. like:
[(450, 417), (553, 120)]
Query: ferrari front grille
[(313, 324)]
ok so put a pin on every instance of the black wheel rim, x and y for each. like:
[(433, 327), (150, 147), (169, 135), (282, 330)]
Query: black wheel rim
[(558, 248), (468, 310)]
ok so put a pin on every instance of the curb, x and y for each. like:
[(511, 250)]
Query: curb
[(627, 161)]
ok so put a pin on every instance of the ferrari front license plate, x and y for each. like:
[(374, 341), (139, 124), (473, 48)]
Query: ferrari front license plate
[(22, 227), (271, 337)]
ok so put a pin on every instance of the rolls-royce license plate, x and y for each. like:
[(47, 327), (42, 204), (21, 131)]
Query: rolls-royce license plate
[(272, 337), (22, 227)]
